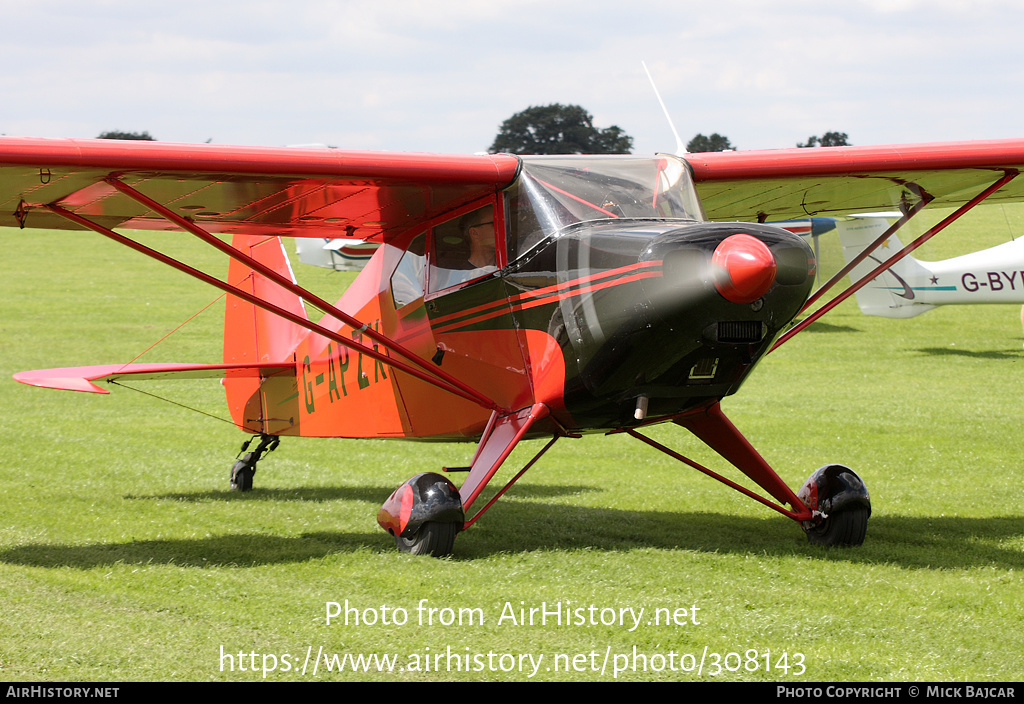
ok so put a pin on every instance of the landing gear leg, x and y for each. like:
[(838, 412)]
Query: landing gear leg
[(833, 506), (245, 465)]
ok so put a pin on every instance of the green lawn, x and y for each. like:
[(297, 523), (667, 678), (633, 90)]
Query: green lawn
[(124, 557)]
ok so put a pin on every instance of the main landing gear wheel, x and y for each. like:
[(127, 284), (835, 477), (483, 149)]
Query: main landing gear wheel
[(843, 528), (839, 496), (433, 538), (424, 515)]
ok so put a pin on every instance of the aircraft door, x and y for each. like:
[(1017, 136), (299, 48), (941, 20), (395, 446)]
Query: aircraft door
[(468, 306)]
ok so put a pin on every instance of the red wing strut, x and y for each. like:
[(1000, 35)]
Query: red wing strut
[(471, 395), (253, 191), (1008, 176), (292, 287), (909, 211)]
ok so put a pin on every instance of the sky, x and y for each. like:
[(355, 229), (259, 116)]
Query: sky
[(441, 76)]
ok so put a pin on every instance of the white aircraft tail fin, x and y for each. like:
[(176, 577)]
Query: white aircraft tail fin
[(891, 294)]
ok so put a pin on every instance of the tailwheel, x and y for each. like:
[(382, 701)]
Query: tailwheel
[(244, 468), (242, 473), (433, 538)]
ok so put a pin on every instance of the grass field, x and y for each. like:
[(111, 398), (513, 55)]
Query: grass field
[(123, 557)]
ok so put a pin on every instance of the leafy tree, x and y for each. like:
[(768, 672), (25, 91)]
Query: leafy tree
[(714, 143), (558, 129), (829, 139), (116, 134)]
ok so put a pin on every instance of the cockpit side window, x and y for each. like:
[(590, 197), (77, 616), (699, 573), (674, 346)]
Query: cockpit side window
[(463, 249), (407, 281)]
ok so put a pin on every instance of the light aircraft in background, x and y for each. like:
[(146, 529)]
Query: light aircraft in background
[(510, 297), (912, 286), (336, 254)]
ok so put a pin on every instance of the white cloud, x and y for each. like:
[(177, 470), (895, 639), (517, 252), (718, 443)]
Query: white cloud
[(441, 76)]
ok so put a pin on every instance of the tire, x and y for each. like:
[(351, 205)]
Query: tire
[(433, 538), (843, 528), (241, 475)]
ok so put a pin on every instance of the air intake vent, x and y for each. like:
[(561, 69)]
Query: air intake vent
[(704, 370), (741, 331)]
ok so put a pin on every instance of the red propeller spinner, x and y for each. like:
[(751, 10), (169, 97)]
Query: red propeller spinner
[(744, 268)]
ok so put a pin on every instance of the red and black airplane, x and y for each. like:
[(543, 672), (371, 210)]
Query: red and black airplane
[(511, 297)]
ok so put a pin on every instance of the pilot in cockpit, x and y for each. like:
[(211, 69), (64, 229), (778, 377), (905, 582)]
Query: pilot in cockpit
[(479, 228), (464, 249)]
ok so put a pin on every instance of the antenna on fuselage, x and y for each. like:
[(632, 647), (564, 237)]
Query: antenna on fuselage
[(680, 147)]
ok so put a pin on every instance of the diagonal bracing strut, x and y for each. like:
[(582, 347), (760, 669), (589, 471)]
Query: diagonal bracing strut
[(909, 211), (458, 390), (292, 287), (1008, 175)]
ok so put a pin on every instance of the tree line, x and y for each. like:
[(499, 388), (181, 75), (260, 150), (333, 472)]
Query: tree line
[(569, 129)]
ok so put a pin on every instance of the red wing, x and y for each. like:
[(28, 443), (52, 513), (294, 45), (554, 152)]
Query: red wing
[(793, 183), (247, 190)]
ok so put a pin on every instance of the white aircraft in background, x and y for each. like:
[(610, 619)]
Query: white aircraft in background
[(337, 254), (912, 286)]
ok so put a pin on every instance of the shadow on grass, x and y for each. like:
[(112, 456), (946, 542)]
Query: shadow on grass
[(372, 494), (526, 526), (955, 352), (910, 542), (819, 326)]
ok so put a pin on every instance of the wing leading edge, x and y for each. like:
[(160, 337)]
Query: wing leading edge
[(366, 195), (245, 190), (794, 183)]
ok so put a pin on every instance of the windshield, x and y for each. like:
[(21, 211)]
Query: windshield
[(555, 192)]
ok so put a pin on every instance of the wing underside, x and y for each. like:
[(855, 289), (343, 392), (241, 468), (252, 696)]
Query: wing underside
[(367, 195), (244, 190), (795, 183), (211, 190)]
